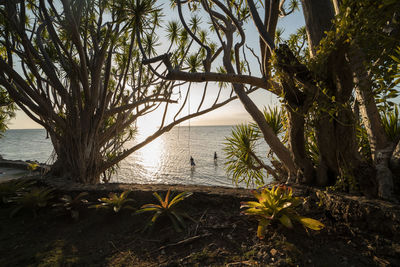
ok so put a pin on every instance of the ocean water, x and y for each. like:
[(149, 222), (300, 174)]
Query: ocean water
[(163, 161)]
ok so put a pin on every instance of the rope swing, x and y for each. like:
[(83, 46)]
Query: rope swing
[(192, 163)]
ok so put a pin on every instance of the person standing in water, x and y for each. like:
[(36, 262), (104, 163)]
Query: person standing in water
[(215, 159), (192, 161)]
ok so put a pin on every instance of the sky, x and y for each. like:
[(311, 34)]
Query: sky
[(230, 114)]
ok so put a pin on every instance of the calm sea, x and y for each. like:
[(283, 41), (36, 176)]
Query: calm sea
[(164, 161)]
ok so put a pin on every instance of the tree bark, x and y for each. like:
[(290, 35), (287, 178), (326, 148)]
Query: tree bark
[(318, 15), (381, 148), (306, 172), (78, 158), (337, 4)]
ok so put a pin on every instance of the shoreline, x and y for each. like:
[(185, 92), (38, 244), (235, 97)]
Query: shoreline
[(68, 185)]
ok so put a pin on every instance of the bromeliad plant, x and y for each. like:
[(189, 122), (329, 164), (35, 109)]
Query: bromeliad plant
[(72, 205), (33, 200), (277, 204), (167, 207), (115, 202)]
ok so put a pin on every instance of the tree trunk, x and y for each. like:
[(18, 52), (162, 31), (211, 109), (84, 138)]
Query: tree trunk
[(328, 168), (271, 15), (318, 15), (306, 172), (269, 136), (381, 148), (78, 158)]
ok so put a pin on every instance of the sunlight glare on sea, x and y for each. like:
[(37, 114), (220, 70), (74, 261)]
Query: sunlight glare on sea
[(164, 160)]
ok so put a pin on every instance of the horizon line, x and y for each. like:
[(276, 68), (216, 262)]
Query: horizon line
[(212, 125)]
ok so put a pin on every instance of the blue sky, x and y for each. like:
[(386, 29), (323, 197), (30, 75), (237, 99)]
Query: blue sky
[(232, 113)]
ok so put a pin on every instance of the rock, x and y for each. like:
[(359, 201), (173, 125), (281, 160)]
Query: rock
[(273, 252), (360, 212)]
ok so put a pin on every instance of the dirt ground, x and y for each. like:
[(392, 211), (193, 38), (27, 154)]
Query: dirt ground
[(218, 236)]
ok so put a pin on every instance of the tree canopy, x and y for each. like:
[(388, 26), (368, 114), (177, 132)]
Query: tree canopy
[(334, 78), (75, 68)]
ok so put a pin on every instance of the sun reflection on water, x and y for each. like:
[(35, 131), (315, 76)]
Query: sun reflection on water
[(151, 155)]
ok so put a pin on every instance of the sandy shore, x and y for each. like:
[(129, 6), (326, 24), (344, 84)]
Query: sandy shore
[(68, 185)]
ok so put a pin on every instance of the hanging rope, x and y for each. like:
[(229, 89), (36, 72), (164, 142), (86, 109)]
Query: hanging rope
[(180, 97), (190, 154), (189, 124)]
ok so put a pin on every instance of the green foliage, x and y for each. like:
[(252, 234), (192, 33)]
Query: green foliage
[(72, 205), (193, 63), (365, 25), (391, 123), (396, 59), (166, 207), (274, 118), (11, 188), (33, 200), (297, 43), (242, 162), (278, 35), (173, 29), (311, 146), (115, 202), (7, 109), (363, 143), (277, 204), (346, 182)]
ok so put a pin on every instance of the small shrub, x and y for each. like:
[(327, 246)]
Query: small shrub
[(277, 204), (167, 207), (72, 205), (243, 163), (32, 200), (11, 188), (115, 202), (391, 123)]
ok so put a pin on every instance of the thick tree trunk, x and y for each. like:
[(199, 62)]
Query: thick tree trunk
[(78, 159), (369, 112), (328, 168), (381, 148), (345, 132), (306, 172), (318, 15), (271, 15), (337, 147)]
